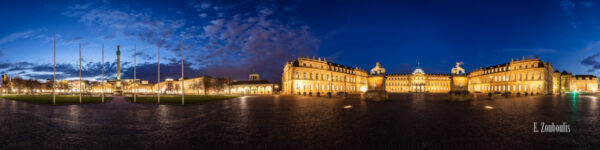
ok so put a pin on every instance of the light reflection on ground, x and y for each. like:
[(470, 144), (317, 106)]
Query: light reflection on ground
[(299, 122)]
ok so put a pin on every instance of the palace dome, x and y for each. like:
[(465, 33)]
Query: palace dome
[(419, 70)]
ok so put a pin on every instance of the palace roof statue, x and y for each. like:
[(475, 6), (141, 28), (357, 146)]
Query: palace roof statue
[(457, 69), (378, 70)]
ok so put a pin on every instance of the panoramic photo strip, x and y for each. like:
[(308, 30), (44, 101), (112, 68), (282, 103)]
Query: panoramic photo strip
[(300, 74)]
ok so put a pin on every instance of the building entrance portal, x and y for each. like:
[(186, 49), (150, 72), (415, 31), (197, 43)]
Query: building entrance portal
[(419, 89)]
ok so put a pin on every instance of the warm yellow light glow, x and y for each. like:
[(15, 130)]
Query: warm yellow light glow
[(489, 107), (363, 89)]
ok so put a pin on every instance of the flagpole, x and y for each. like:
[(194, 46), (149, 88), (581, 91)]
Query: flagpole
[(80, 73), (182, 76), (54, 75), (134, 74), (158, 82), (102, 73)]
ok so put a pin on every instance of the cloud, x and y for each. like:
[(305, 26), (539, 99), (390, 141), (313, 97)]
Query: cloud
[(569, 8), (252, 41), (18, 35), (200, 6), (231, 44), (149, 71), (592, 47), (144, 56), (587, 4), (592, 62), (107, 37), (143, 25), (202, 15)]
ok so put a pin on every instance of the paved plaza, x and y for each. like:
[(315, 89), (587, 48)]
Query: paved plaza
[(301, 122)]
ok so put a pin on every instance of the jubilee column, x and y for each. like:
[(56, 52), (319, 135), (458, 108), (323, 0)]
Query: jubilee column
[(118, 83)]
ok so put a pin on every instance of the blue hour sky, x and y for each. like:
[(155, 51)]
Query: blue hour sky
[(234, 38)]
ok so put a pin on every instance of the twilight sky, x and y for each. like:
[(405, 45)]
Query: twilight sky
[(233, 38)]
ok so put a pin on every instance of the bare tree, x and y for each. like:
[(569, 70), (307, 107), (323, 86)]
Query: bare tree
[(222, 83), (196, 86), (170, 87), (206, 82)]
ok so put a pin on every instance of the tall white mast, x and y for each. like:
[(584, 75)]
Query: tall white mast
[(102, 82), (80, 89), (54, 75), (134, 74), (158, 82), (182, 76)]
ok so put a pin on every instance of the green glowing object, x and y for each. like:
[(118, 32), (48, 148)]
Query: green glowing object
[(118, 50)]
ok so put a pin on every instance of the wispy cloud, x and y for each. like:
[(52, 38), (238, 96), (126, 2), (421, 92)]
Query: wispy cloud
[(592, 62), (18, 35), (568, 7)]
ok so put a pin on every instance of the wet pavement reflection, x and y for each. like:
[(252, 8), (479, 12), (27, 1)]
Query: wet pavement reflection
[(300, 122)]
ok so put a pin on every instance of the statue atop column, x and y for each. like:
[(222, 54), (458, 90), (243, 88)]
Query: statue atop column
[(118, 83), (376, 84), (459, 88), (457, 69)]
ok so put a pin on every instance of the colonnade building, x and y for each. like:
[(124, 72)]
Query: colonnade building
[(306, 76)]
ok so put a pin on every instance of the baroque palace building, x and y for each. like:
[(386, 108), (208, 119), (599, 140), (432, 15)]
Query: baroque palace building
[(565, 82), (306, 76), (530, 75), (417, 82)]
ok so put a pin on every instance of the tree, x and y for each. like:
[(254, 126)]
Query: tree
[(221, 83), (170, 86), (206, 82), (48, 85), (195, 86)]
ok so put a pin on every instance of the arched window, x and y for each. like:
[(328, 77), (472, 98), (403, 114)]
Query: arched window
[(304, 75)]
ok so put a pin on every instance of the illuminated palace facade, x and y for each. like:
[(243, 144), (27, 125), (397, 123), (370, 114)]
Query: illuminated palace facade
[(316, 76), (529, 75), (565, 82), (305, 76), (417, 82)]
